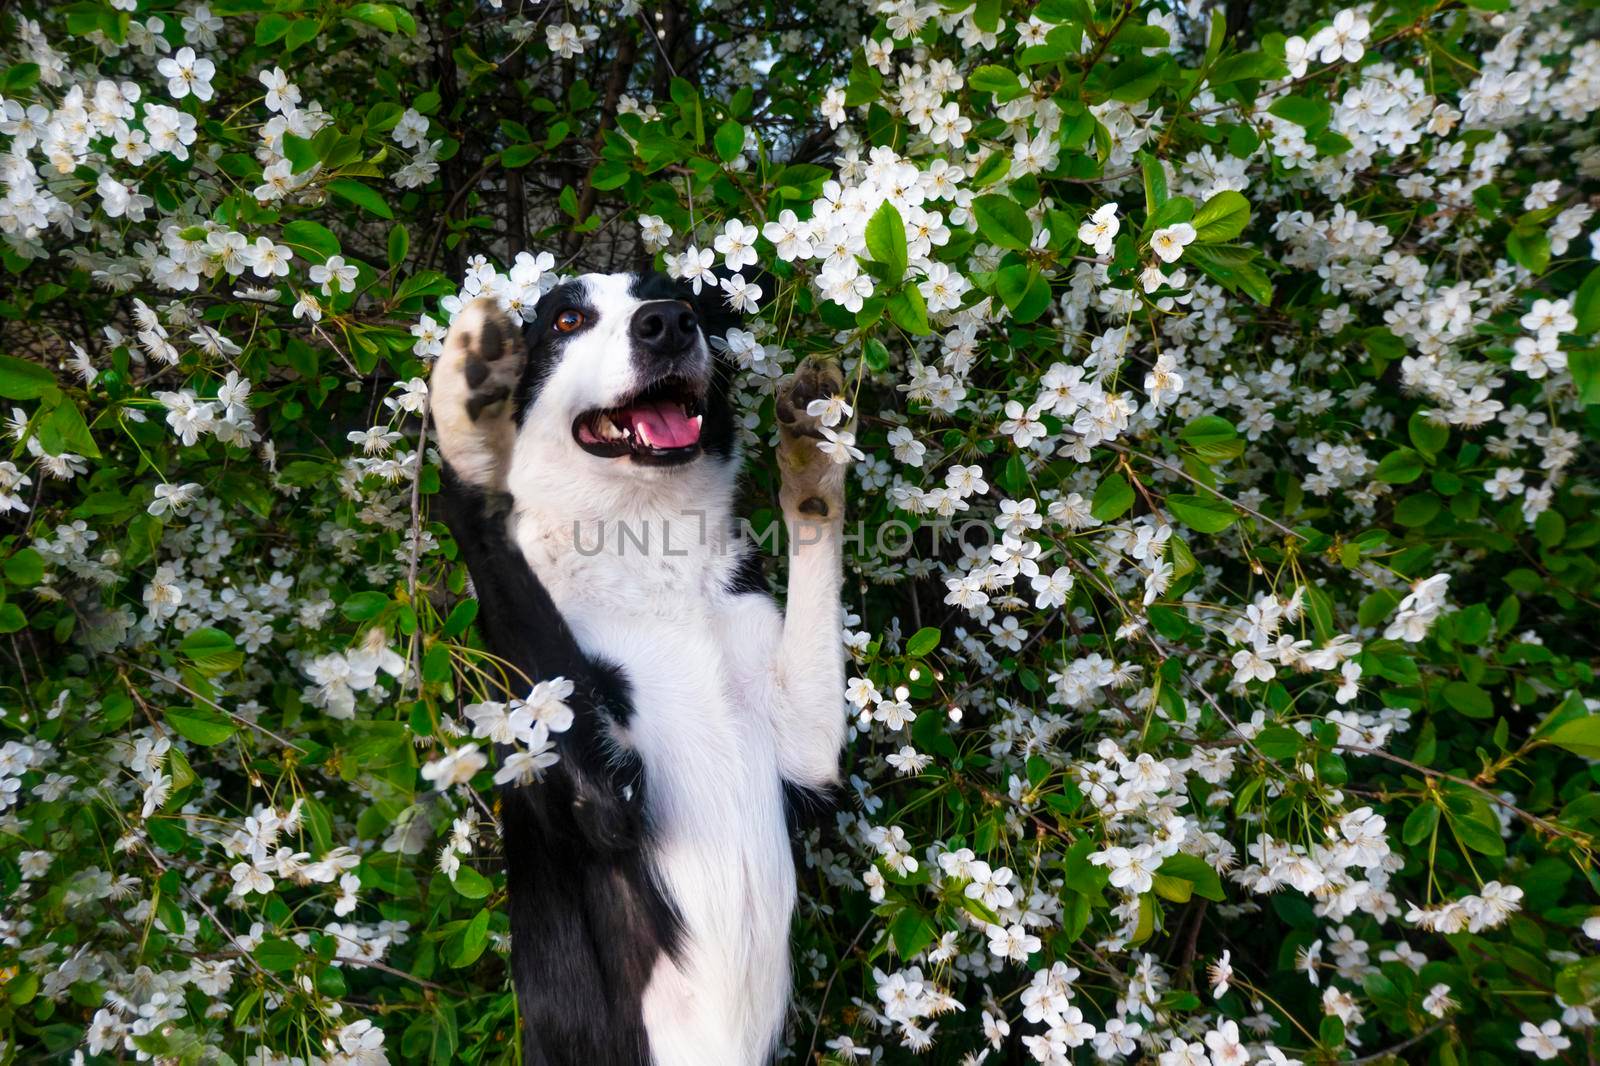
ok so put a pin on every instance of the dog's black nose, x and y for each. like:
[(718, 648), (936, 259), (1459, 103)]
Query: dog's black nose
[(664, 327)]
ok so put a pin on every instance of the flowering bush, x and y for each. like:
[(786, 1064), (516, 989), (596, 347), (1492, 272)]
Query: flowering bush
[(1223, 577)]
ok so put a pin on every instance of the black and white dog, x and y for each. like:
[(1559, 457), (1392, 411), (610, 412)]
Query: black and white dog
[(650, 872)]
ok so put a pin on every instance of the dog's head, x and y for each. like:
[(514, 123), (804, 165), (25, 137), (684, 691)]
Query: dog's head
[(622, 372)]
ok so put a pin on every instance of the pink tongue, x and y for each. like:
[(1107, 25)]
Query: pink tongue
[(666, 425)]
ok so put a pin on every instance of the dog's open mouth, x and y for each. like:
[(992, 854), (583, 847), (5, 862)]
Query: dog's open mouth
[(660, 424)]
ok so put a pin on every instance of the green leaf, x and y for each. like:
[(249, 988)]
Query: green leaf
[(19, 78), (468, 945), (1579, 982), (886, 241), (517, 156), (1254, 283), (1279, 742), (1174, 210), (929, 733), (383, 116), (1586, 304), (1429, 437), (461, 616), (1112, 497), (364, 606), (1137, 76), (391, 18), (1213, 439), (301, 32), (1302, 111), (1469, 699), (306, 236), (277, 955), (1195, 870), (65, 425), (363, 197), (1014, 476), (1001, 81), (1529, 246), (1155, 183), (399, 244), (1400, 467), (1417, 510), (471, 884), (1003, 221), (1208, 430), (1221, 218), (1175, 889), (271, 28), (911, 932), (909, 311), (1024, 291), (1473, 820), (301, 153), (728, 141), (202, 725), (25, 568), (1205, 514), (1383, 344), (1232, 266), (923, 642), (1251, 66), (1581, 736), (212, 651), (1419, 824), (991, 170), (183, 774), (1584, 365)]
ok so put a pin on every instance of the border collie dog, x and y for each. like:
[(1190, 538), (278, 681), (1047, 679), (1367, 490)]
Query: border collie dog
[(589, 476)]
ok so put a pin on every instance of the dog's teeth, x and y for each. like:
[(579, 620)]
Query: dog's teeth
[(644, 437), (695, 422), (608, 429)]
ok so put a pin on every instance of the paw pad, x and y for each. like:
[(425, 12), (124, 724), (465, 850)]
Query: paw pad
[(815, 379), (473, 385)]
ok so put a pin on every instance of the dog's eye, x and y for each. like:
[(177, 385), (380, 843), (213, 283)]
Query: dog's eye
[(568, 320)]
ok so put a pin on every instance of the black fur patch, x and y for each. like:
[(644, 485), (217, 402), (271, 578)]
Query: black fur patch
[(749, 574), (544, 344), (807, 808), (588, 923)]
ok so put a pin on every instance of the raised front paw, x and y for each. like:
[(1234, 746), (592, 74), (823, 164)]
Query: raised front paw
[(473, 391), (812, 483), (816, 378)]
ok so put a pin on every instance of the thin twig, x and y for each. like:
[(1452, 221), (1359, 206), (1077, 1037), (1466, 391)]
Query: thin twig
[(1379, 1056), (1532, 819), (811, 1053), (1279, 526), (221, 928), (213, 704)]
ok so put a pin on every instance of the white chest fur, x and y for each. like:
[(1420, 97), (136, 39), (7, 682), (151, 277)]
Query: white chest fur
[(698, 667)]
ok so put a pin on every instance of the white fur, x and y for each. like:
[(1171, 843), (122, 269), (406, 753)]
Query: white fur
[(730, 698)]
